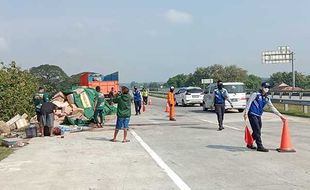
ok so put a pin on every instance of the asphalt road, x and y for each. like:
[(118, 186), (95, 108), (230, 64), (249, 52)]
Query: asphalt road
[(187, 154)]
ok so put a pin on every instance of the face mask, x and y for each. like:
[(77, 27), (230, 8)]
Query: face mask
[(266, 90)]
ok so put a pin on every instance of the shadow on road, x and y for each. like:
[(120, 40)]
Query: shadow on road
[(200, 111), (229, 148), (99, 139)]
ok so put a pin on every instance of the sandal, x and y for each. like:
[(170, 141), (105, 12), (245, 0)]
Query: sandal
[(125, 141), (112, 140)]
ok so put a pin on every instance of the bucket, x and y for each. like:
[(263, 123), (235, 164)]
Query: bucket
[(31, 132)]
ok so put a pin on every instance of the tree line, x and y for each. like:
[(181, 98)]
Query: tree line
[(233, 73), (17, 85)]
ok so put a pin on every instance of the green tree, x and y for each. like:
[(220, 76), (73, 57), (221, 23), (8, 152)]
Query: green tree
[(178, 80), (16, 89), (52, 77), (253, 82), (286, 77), (216, 72)]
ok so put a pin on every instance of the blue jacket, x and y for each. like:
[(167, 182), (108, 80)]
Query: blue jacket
[(137, 96), (258, 104), (219, 96)]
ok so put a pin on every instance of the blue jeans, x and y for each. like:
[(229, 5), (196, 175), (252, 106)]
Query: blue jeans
[(99, 113), (122, 123)]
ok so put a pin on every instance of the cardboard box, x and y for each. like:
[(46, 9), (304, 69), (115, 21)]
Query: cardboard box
[(4, 128), (68, 110), (59, 94), (13, 120), (70, 99), (24, 116), (58, 103), (78, 110), (21, 123)]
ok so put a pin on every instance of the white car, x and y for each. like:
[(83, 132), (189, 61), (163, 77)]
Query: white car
[(189, 96), (236, 93)]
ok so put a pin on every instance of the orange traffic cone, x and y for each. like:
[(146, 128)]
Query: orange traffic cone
[(167, 108), (150, 101), (143, 108), (286, 145), (247, 136)]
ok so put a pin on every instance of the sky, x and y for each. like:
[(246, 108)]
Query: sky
[(153, 40)]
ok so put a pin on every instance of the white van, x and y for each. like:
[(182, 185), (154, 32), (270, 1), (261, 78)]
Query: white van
[(236, 93)]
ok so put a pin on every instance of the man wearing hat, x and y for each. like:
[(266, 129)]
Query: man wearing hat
[(171, 103), (254, 110)]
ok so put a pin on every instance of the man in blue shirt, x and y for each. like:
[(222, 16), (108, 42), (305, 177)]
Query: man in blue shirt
[(137, 100), (254, 110), (220, 95)]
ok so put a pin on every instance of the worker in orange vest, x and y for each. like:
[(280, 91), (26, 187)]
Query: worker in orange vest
[(171, 103)]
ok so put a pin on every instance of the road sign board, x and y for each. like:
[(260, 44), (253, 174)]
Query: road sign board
[(206, 81)]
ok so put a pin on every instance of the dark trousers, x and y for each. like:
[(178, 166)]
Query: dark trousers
[(220, 110), (145, 100), (138, 106), (99, 113), (256, 124)]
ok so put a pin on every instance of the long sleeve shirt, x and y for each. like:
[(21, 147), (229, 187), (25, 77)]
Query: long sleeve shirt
[(252, 99)]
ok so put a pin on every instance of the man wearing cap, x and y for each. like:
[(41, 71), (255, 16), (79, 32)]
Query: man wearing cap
[(220, 95), (254, 110), (171, 103), (137, 100)]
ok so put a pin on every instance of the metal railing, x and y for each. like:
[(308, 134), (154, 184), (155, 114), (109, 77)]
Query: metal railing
[(283, 99)]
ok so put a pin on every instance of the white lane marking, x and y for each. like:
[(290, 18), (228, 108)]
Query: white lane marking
[(175, 178), (227, 126)]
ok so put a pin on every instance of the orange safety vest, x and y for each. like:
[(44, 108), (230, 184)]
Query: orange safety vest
[(171, 98)]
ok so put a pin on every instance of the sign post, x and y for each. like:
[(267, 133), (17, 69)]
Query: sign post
[(283, 55), (206, 81)]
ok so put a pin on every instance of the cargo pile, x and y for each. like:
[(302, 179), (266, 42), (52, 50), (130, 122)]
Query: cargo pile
[(75, 108)]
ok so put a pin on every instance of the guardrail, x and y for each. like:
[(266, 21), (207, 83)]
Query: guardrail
[(286, 102), (281, 100)]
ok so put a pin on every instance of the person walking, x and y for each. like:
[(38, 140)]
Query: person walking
[(171, 103), (137, 100), (39, 98), (123, 113), (145, 95), (254, 110), (99, 107), (220, 95)]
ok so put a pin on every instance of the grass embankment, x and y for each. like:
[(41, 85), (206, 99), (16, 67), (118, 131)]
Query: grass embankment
[(4, 151), (294, 110)]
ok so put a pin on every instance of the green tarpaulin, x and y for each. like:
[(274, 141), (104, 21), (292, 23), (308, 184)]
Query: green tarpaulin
[(88, 112)]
